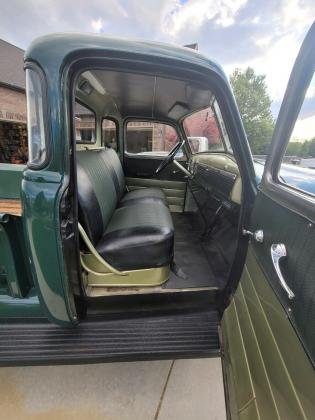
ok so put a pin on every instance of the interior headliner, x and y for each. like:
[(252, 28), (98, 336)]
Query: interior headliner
[(141, 95)]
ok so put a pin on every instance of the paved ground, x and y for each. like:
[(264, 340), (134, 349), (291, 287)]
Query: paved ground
[(162, 390)]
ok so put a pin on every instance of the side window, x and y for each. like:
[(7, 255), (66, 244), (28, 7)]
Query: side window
[(205, 131), (298, 164), (150, 138), (85, 124), (109, 133), (37, 147)]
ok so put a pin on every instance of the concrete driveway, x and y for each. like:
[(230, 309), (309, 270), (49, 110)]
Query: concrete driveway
[(160, 390)]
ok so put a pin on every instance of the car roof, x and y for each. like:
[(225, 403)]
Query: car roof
[(52, 50)]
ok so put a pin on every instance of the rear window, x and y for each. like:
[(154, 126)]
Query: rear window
[(150, 138), (85, 124)]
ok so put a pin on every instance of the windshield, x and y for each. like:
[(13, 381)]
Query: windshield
[(205, 131)]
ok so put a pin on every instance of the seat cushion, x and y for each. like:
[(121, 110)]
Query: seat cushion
[(138, 236), (144, 195)]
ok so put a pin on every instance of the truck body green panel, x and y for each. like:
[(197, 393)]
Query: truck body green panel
[(11, 178), (21, 308), (41, 193), (14, 268)]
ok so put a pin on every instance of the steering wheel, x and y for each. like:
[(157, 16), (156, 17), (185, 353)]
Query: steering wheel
[(169, 158)]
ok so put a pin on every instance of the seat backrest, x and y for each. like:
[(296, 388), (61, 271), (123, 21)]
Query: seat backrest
[(97, 192), (113, 163)]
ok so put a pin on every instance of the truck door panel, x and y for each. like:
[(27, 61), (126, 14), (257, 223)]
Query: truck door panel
[(273, 308)]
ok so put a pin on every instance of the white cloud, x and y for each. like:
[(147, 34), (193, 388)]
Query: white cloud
[(304, 129), (277, 50), (264, 41), (310, 93), (97, 25), (263, 34), (256, 20), (276, 63), (190, 16), (296, 14)]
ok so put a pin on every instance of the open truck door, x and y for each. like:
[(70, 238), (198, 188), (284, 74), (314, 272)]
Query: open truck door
[(268, 336), (268, 329), (33, 280)]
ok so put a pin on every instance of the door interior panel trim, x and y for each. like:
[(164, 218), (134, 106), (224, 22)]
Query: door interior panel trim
[(168, 192), (282, 225), (264, 327), (148, 182), (175, 191)]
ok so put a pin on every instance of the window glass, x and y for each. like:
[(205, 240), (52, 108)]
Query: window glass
[(150, 138), (85, 124), (109, 133), (298, 165), (37, 149), (205, 130)]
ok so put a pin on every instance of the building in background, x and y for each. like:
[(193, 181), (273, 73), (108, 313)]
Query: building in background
[(13, 133)]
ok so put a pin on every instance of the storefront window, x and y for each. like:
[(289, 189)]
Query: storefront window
[(37, 148)]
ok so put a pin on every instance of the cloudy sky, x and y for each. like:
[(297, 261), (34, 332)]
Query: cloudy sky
[(265, 34)]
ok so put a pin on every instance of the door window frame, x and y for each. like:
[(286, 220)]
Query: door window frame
[(297, 200)]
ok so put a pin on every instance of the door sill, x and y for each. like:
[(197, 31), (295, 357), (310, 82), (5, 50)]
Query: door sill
[(129, 337), (101, 291)]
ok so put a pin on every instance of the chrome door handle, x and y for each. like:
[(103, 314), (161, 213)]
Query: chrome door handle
[(279, 251)]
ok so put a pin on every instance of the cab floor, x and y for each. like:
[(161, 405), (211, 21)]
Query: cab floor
[(192, 271), (192, 259)]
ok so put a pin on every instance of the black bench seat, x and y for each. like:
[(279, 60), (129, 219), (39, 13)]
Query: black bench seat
[(130, 230)]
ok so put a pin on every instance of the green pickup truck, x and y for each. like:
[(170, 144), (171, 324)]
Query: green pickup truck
[(123, 238)]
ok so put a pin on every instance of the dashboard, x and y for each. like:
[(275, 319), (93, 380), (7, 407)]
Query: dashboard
[(218, 174)]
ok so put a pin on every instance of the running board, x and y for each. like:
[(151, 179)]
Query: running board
[(95, 341)]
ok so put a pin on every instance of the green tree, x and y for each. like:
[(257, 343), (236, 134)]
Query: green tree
[(311, 148), (254, 103), (305, 147), (294, 148)]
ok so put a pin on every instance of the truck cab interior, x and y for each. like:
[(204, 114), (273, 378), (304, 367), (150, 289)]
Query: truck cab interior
[(157, 184)]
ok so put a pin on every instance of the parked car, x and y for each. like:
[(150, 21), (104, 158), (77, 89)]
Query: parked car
[(114, 256), (297, 176)]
